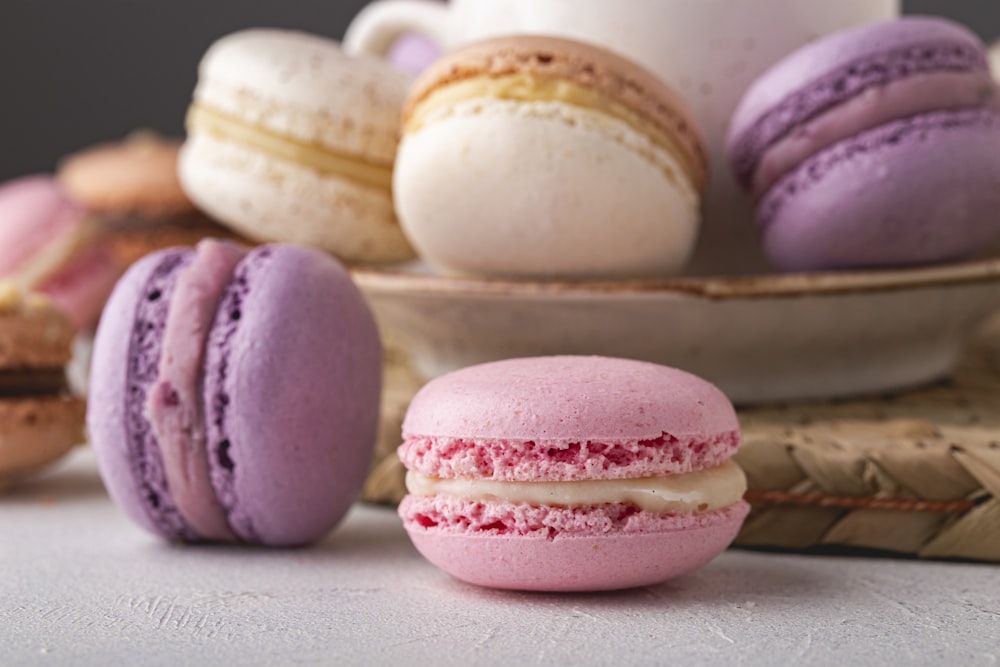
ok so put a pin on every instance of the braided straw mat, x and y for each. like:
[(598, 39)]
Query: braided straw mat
[(917, 473)]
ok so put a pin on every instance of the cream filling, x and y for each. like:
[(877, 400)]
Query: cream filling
[(528, 88), (53, 256), (174, 403), (313, 156), (13, 299), (700, 491), (870, 109)]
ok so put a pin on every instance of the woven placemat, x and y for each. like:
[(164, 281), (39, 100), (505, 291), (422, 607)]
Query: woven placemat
[(914, 473)]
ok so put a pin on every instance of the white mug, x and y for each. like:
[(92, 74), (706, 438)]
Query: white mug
[(708, 50)]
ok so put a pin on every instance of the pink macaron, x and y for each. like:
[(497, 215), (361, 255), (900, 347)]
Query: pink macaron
[(234, 393), (876, 146), (571, 473), (48, 244)]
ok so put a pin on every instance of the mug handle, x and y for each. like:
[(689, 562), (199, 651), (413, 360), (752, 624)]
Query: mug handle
[(377, 27)]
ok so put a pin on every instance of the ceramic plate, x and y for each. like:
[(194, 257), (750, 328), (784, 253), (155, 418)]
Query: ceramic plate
[(761, 338)]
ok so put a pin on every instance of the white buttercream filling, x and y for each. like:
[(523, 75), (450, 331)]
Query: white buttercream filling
[(700, 491)]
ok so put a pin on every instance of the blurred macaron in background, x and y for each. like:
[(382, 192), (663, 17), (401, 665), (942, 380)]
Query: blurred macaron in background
[(93, 72)]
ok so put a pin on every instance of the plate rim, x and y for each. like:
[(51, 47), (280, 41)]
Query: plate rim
[(404, 278)]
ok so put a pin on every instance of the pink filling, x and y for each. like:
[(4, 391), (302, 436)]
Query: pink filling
[(529, 461), (451, 515), (174, 408), (874, 107)]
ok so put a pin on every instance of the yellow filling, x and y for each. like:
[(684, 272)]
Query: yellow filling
[(15, 299), (700, 491), (527, 88), (10, 296), (318, 158)]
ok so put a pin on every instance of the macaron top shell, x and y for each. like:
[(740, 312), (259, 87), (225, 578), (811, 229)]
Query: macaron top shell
[(564, 418), (304, 87), (292, 389), (138, 174), (832, 70), (585, 65), (34, 211)]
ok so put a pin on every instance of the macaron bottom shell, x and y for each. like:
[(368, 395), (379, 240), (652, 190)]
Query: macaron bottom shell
[(258, 194), (924, 189), (574, 561), (36, 431), (543, 189)]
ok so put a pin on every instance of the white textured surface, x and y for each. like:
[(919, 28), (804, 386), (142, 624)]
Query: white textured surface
[(80, 585)]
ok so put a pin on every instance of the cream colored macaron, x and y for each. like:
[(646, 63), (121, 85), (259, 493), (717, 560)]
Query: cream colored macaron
[(535, 156), (995, 59), (291, 140)]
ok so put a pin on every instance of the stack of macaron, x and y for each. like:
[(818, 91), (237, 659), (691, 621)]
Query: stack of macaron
[(878, 146), (524, 156), (39, 419), (545, 158)]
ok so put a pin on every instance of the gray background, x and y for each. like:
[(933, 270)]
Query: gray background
[(73, 72)]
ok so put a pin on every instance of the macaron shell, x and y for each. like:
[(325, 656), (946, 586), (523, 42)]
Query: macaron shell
[(34, 336), (937, 196), (292, 392), (302, 86), (138, 174), (129, 463), (542, 189), (821, 74), (569, 399), (37, 431), (607, 561)]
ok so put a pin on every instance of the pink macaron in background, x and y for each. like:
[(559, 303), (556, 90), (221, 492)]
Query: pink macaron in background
[(234, 393), (876, 146), (48, 244), (571, 473)]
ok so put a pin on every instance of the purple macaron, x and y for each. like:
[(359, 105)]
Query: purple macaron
[(234, 393), (878, 146)]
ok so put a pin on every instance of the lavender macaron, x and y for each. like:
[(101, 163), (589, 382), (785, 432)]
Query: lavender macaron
[(234, 393), (877, 146)]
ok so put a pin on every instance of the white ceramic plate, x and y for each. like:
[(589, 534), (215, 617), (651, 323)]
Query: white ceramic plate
[(761, 338)]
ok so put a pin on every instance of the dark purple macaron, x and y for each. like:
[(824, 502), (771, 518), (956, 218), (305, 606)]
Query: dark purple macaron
[(876, 146), (234, 393)]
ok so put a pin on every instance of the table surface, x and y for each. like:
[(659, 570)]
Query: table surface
[(82, 585)]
